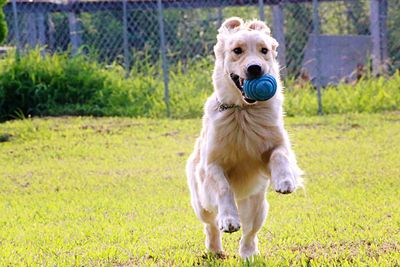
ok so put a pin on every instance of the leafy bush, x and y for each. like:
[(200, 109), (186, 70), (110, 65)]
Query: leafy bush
[(50, 85), (59, 85), (368, 95), (3, 26)]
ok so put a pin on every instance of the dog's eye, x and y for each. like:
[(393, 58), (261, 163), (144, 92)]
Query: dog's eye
[(264, 50), (237, 50)]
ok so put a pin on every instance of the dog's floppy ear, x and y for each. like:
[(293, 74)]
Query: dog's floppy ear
[(231, 24), (258, 25)]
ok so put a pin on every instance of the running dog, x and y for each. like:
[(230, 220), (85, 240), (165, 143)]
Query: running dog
[(243, 144)]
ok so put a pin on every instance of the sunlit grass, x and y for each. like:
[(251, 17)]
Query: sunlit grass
[(112, 191)]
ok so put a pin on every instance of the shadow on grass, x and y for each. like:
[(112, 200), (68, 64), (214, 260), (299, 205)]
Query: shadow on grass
[(222, 259), (4, 137)]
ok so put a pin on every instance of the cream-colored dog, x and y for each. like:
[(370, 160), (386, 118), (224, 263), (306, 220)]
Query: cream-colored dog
[(243, 143)]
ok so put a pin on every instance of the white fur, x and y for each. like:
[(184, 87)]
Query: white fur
[(240, 149)]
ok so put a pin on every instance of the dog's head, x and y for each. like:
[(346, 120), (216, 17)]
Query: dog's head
[(244, 50)]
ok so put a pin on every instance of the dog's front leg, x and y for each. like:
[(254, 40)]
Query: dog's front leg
[(284, 171), (228, 217)]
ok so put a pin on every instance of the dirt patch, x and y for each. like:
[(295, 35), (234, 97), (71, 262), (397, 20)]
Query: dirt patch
[(171, 133), (306, 125), (5, 137), (350, 249)]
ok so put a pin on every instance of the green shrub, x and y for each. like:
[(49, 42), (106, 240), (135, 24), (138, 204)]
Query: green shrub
[(51, 85), (60, 85), (368, 95), (3, 25)]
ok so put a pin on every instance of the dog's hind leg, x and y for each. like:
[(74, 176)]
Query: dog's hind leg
[(252, 212), (213, 235)]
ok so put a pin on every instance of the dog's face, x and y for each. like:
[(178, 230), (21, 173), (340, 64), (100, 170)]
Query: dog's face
[(245, 51)]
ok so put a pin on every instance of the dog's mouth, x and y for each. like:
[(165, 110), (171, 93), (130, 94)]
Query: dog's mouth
[(238, 81)]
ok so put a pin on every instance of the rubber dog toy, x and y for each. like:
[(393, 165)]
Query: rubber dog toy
[(260, 89)]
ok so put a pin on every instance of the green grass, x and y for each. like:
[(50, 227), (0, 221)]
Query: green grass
[(87, 191)]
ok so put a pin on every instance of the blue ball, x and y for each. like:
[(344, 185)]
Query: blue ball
[(260, 89)]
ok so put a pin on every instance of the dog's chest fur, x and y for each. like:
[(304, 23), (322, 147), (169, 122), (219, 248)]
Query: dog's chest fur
[(244, 135)]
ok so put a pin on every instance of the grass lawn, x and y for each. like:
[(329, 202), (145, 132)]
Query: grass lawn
[(112, 191)]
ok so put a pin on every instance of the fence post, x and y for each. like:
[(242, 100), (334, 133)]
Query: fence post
[(31, 32), (383, 11), (41, 28), (164, 56), (261, 12), (378, 35), (220, 17), (127, 61), (41, 22), (16, 27), (51, 33), (74, 30), (278, 26), (316, 33)]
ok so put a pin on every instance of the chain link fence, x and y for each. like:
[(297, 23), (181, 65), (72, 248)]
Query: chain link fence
[(177, 31), (394, 34)]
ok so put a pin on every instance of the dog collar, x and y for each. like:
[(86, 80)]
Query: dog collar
[(223, 107)]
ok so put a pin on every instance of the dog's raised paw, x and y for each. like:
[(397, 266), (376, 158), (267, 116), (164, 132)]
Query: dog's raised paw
[(285, 186), (229, 224)]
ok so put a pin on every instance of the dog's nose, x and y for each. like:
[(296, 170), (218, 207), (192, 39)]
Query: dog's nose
[(254, 71)]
